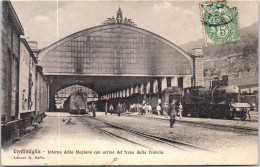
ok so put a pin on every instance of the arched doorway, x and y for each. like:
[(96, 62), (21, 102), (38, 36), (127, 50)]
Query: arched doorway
[(62, 95)]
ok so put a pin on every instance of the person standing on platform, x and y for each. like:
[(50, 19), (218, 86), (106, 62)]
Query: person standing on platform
[(135, 108), (138, 108), (119, 109), (180, 110), (149, 108), (123, 107), (131, 108), (247, 112), (158, 109), (144, 109), (94, 109), (165, 109), (111, 109), (172, 113), (106, 108), (90, 108)]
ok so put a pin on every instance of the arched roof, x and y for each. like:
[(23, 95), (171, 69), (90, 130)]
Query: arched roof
[(121, 43), (75, 88)]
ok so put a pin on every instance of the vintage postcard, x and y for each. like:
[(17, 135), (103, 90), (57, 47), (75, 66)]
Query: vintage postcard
[(129, 82)]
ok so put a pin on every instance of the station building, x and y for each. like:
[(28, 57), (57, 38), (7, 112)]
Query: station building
[(119, 60)]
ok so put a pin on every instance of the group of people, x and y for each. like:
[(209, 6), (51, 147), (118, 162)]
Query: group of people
[(146, 108), (119, 108), (167, 110), (164, 110), (142, 109)]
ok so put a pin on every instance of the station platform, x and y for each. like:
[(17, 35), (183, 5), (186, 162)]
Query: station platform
[(248, 124)]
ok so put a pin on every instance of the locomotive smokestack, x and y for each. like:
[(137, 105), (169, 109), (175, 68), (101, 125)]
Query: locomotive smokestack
[(224, 80)]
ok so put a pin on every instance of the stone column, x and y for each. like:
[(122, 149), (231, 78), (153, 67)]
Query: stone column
[(124, 93), (52, 106), (148, 87), (142, 89), (132, 90), (174, 81), (155, 86), (136, 89), (52, 92), (164, 83), (127, 92), (186, 82), (198, 67)]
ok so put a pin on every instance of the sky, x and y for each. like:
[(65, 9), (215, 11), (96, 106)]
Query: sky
[(177, 21)]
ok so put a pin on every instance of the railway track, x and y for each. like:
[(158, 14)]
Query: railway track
[(161, 140), (212, 126)]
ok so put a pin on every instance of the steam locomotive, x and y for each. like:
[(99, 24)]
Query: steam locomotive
[(219, 101), (76, 103)]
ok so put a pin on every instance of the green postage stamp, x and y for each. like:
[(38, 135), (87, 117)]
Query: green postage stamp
[(220, 23)]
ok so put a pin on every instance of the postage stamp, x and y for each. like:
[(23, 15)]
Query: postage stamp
[(220, 23)]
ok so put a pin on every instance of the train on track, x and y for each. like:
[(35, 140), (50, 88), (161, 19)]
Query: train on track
[(76, 103), (217, 102)]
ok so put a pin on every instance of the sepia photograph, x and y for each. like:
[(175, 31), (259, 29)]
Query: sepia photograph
[(87, 82)]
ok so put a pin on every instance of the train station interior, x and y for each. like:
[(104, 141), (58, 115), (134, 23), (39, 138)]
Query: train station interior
[(119, 60)]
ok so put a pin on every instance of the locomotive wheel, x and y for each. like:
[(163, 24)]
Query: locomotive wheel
[(185, 111), (185, 114), (196, 110), (200, 111), (200, 115), (216, 114), (228, 114), (213, 114), (243, 117), (232, 115)]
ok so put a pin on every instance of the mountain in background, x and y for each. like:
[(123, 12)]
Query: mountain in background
[(236, 60), (249, 38)]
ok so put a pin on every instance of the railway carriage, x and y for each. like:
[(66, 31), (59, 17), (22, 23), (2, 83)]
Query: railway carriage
[(76, 103)]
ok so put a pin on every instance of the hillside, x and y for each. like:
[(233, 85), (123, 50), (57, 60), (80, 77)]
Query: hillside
[(220, 60), (249, 37)]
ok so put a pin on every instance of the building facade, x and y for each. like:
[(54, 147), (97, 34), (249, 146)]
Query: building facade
[(118, 59)]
